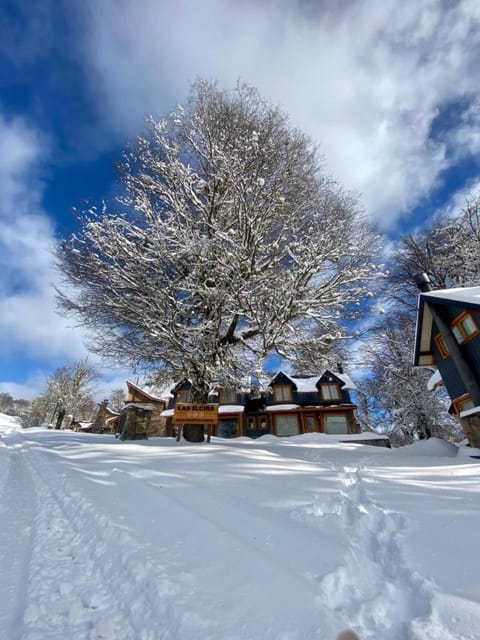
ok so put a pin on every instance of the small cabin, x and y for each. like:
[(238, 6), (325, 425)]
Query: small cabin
[(141, 417), (448, 340)]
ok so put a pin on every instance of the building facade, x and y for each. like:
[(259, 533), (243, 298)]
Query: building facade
[(448, 339)]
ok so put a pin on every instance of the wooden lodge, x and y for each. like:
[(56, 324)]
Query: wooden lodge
[(289, 405)]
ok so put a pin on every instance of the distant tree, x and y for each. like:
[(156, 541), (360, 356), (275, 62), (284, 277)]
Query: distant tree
[(328, 351), (229, 244), (7, 404), (448, 251), (69, 391), (117, 399), (394, 392), (394, 395)]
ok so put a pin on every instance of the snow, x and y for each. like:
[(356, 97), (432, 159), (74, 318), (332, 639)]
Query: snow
[(282, 407), (434, 381), (275, 538), (137, 405), (231, 408), (469, 295), (470, 412)]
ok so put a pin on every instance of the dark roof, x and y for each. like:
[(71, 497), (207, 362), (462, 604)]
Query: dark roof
[(467, 297)]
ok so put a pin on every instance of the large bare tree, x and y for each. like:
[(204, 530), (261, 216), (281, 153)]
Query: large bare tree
[(228, 243)]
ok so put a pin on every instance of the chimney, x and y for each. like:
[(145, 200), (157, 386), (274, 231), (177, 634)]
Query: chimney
[(423, 282), (339, 367)]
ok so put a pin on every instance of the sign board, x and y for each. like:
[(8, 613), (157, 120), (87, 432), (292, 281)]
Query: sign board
[(195, 414)]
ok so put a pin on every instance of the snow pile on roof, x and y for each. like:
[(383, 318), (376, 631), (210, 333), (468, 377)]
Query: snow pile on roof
[(461, 294), (137, 405), (305, 385), (283, 407), (231, 408), (434, 381), (310, 384)]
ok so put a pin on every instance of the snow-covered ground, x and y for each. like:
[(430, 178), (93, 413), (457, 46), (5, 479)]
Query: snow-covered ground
[(281, 539)]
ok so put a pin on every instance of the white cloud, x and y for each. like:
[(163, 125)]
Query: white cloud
[(367, 80), (27, 390), (29, 324)]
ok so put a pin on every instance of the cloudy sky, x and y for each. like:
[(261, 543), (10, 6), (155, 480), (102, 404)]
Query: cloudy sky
[(389, 89)]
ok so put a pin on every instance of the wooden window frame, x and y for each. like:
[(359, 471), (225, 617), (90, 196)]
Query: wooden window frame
[(282, 387), (287, 415), (179, 396), (344, 414), (462, 400), (442, 345), (221, 396), (323, 385), (457, 324)]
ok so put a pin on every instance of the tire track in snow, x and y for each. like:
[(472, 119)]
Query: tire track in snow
[(103, 584), (374, 587), (17, 530)]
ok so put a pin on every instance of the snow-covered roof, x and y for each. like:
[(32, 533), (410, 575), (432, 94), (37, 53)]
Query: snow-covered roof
[(305, 385), (112, 419), (435, 381), (231, 408), (85, 425), (145, 407), (168, 413), (309, 384), (347, 381), (151, 391), (466, 295), (470, 412), (283, 407)]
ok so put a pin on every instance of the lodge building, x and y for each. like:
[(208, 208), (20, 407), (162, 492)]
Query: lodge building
[(289, 405)]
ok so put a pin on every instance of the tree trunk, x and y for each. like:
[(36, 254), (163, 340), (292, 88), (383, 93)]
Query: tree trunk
[(193, 432), (196, 432)]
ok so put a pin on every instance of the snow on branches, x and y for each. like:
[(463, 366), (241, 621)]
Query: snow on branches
[(228, 243)]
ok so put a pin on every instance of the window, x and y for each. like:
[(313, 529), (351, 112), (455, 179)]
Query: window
[(330, 392), (464, 328), (442, 346), (336, 423), (282, 393), (228, 428), (463, 403), (286, 425), (184, 396), (228, 396)]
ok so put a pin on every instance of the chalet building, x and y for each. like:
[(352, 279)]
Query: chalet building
[(289, 405), (141, 417), (448, 339)]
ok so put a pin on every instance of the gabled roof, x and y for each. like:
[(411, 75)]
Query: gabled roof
[(153, 398), (468, 297), (309, 384)]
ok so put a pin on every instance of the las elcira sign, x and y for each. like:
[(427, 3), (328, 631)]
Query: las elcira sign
[(195, 414)]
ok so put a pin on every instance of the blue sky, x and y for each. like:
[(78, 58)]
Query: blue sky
[(390, 90)]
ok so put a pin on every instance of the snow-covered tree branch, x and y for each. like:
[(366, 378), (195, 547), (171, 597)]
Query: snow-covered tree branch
[(229, 243)]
